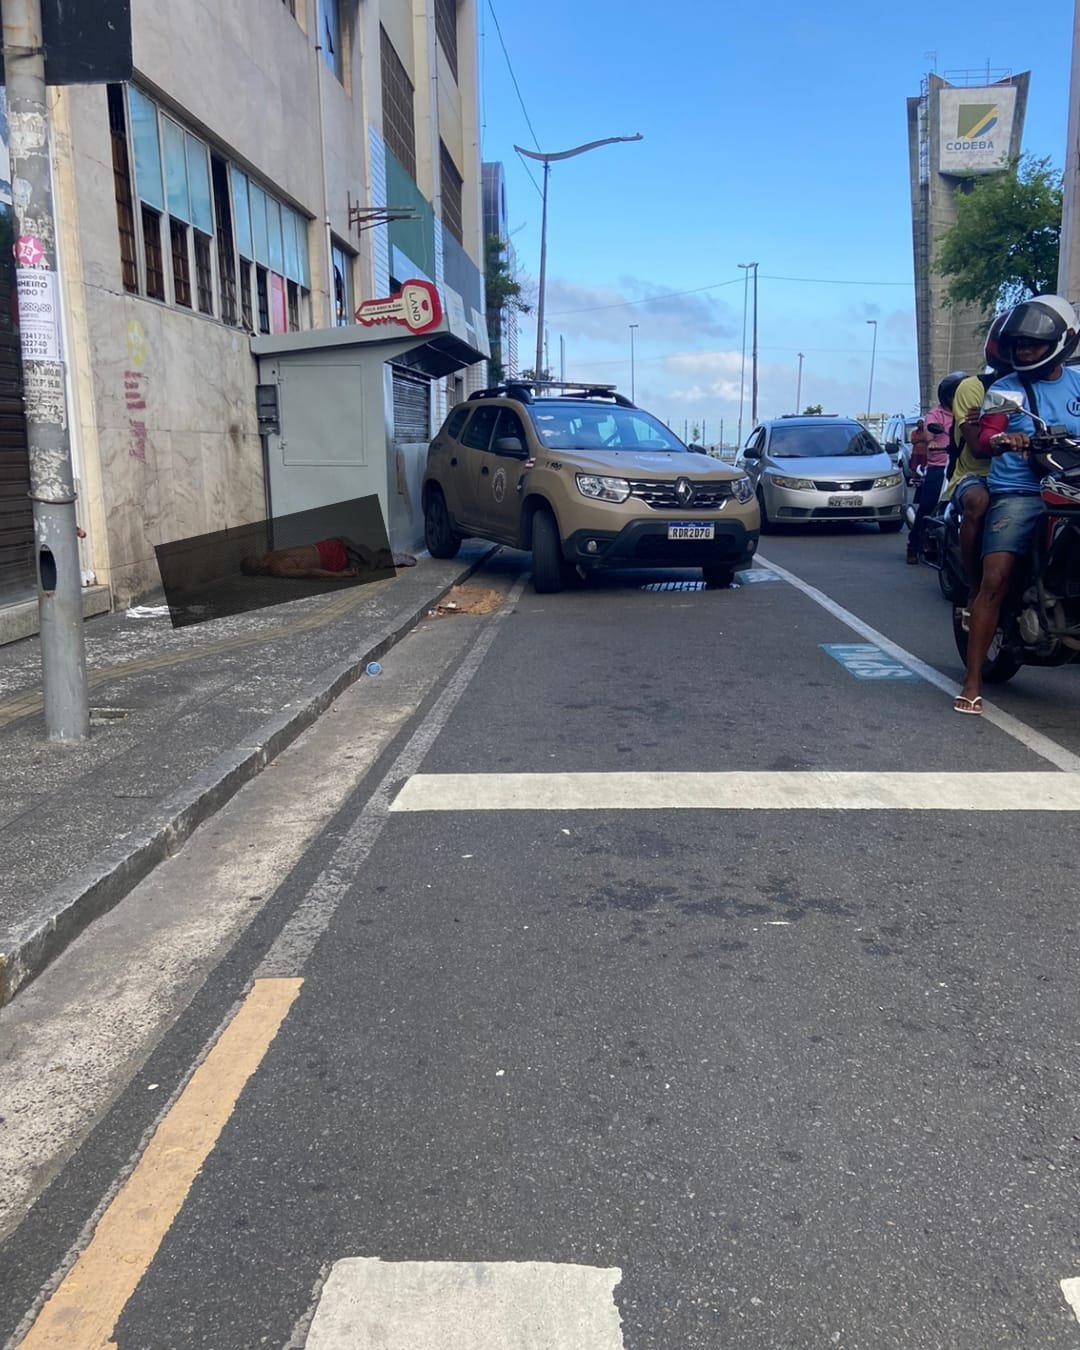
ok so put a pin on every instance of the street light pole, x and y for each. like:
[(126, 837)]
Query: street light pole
[(873, 353), (753, 362), (632, 327), (742, 364), (547, 160), (798, 385)]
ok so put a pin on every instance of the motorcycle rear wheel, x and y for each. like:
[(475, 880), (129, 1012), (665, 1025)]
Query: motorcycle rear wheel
[(1001, 662), (953, 588)]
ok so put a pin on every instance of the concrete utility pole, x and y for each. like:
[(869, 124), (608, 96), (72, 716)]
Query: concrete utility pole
[(1068, 282), (52, 482)]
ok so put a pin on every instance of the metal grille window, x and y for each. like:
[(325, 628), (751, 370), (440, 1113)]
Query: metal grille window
[(450, 181), (204, 273), (155, 266), (292, 293), (125, 214), (343, 291), (446, 31), (226, 246), (263, 293), (247, 314), (399, 128), (181, 265)]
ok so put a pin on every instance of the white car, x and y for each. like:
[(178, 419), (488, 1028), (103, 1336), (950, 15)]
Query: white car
[(814, 469)]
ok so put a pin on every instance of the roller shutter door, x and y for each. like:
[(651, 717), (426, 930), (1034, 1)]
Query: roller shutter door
[(412, 406), (16, 511)]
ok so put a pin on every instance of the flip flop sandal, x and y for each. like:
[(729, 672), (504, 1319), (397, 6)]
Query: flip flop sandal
[(971, 706), (965, 620)]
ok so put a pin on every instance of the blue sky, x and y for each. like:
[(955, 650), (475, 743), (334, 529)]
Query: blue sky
[(772, 133)]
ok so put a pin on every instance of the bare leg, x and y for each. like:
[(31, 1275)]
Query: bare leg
[(976, 503), (997, 569)]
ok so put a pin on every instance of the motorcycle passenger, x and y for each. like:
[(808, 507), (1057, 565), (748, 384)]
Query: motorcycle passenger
[(967, 482), (1037, 337), (938, 423)]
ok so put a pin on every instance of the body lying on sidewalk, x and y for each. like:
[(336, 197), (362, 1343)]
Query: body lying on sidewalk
[(332, 559)]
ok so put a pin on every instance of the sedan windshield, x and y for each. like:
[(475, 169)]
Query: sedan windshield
[(822, 440), (584, 427)]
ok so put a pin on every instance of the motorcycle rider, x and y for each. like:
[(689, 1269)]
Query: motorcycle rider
[(1037, 337), (938, 423), (967, 483)]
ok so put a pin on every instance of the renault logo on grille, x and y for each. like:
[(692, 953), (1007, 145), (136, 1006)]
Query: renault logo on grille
[(684, 491)]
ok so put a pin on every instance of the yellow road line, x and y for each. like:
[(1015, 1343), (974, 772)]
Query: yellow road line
[(83, 1311)]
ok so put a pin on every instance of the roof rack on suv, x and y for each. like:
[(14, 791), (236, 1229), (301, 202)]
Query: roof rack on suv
[(523, 391)]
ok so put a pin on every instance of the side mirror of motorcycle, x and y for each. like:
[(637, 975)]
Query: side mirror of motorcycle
[(1002, 401)]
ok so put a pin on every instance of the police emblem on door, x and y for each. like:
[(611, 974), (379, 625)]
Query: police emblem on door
[(498, 485)]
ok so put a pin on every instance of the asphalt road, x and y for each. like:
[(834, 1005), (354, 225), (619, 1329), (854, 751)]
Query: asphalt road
[(740, 1076)]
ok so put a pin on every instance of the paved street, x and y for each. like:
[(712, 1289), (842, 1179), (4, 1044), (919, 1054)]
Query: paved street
[(690, 1040)]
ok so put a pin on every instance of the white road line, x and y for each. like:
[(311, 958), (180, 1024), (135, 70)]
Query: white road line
[(1033, 740), (811, 791), (368, 1304), (1071, 1289)]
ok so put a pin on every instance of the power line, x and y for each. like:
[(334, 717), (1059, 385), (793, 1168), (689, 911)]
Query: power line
[(513, 77), (835, 281)]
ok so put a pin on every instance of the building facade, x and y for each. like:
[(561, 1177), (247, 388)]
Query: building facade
[(502, 325), (270, 165), (958, 130)]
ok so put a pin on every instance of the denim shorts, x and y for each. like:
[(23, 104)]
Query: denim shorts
[(1011, 521), (969, 480)]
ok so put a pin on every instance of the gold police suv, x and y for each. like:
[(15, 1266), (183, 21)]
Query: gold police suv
[(584, 479)]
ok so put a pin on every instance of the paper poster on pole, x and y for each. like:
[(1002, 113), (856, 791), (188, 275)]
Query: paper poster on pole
[(39, 314)]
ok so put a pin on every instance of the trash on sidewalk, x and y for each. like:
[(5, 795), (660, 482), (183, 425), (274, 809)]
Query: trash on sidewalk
[(373, 668), (147, 612), (467, 600)]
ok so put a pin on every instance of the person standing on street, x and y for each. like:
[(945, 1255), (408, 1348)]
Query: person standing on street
[(1037, 337)]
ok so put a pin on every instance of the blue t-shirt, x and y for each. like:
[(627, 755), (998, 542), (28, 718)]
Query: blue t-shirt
[(1059, 405)]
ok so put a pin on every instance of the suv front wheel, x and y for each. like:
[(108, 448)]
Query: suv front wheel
[(549, 574), (442, 540)]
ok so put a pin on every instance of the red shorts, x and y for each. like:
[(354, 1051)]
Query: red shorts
[(332, 555)]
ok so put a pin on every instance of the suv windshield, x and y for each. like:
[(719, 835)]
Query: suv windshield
[(569, 426), (822, 440)]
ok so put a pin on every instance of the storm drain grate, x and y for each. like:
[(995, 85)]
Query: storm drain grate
[(674, 586)]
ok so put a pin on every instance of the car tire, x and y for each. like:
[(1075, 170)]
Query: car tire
[(1001, 663), (891, 526), (548, 569), (440, 537), (718, 578), (766, 523)]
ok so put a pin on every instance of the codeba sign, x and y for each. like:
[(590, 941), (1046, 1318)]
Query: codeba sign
[(976, 127)]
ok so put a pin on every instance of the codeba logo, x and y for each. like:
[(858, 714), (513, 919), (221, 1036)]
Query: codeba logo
[(975, 121)]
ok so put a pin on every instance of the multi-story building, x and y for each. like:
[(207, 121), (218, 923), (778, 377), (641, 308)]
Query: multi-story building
[(502, 327), (270, 165)]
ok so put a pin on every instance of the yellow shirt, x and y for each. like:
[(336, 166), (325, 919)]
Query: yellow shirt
[(967, 399)]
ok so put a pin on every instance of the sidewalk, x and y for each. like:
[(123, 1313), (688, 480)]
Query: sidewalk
[(181, 719)]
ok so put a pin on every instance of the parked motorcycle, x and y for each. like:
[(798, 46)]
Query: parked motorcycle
[(1040, 616), (939, 546)]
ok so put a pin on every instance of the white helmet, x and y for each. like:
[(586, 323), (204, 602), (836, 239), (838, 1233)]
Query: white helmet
[(1045, 318)]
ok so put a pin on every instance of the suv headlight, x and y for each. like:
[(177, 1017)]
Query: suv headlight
[(603, 489), (889, 480), (742, 489), (801, 484)]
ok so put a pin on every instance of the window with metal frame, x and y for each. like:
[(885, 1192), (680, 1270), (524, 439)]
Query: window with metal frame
[(399, 127), (222, 227), (329, 36), (344, 309), (450, 183), (446, 31)]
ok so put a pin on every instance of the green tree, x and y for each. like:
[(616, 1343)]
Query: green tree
[(1004, 244), (502, 291), (813, 410)]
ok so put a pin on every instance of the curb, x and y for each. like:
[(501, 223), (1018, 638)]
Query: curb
[(119, 868)]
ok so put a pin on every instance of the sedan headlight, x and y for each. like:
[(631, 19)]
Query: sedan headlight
[(889, 480), (801, 484), (603, 489), (742, 489)]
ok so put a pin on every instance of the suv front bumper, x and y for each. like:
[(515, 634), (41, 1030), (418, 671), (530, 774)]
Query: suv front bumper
[(644, 543)]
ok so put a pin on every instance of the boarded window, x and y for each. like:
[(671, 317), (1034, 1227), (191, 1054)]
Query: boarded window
[(450, 181), (399, 128)]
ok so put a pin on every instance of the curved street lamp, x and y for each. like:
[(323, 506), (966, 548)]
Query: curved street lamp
[(870, 391), (547, 161)]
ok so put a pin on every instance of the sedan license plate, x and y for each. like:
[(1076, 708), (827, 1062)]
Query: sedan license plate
[(694, 529), (846, 500)]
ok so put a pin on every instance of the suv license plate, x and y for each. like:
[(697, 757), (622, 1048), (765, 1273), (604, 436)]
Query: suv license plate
[(845, 501), (691, 530)]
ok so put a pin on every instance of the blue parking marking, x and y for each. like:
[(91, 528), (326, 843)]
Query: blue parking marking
[(753, 574), (867, 662)]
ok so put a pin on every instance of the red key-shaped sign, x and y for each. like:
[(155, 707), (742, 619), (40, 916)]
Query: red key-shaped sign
[(416, 306)]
